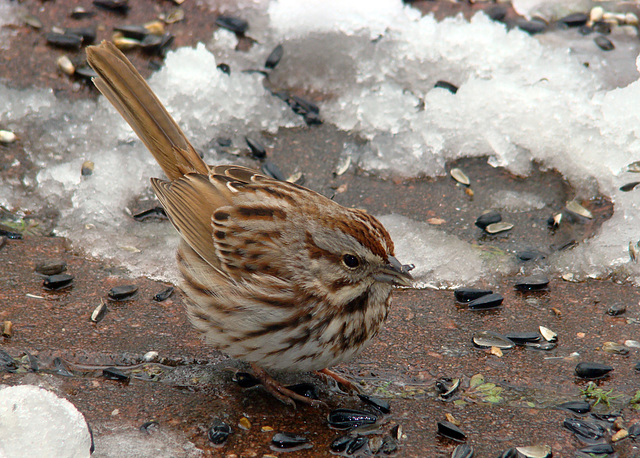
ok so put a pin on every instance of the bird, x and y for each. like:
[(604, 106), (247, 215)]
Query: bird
[(275, 274)]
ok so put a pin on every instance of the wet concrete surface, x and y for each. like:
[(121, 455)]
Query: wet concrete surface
[(428, 336)]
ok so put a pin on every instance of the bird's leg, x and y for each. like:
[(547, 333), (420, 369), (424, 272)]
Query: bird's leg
[(346, 384), (281, 392)]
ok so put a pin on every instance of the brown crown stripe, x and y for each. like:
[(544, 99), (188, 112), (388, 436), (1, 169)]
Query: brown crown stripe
[(362, 233)]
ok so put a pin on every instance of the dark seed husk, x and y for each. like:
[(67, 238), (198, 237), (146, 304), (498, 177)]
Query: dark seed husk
[(488, 218), (59, 281), (308, 390), (232, 23), (224, 142), (451, 431), (358, 443), (488, 339), (496, 12), (601, 27), (592, 370), (245, 379), (446, 85), (122, 293), (584, 428), (137, 32), (617, 309), (608, 417), (532, 283), (531, 27), (79, 12), (164, 294), (470, 294), (7, 363), (274, 58), (219, 432), (463, 451), (9, 234), (224, 68), (272, 170), (148, 426), (377, 403), (120, 6), (529, 255), (341, 443), (637, 367), (157, 44), (521, 338), (598, 449), (99, 312), (629, 186), (634, 430), (580, 407), (51, 267), (257, 150), (111, 373), (544, 346), (88, 33), (604, 43), (155, 213), (303, 106), (288, 440), (60, 368), (350, 418), (64, 40), (447, 387), (575, 19), (486, 302), (86, 72)]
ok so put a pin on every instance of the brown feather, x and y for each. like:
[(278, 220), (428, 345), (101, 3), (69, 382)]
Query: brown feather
[(125, 88)]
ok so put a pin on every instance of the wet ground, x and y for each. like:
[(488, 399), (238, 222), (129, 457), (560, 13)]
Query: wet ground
[(428, 336)]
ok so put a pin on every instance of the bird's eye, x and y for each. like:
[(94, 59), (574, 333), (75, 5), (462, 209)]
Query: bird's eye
[(350, 261)]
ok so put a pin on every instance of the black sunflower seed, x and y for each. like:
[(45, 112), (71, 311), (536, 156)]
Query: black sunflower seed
[(88, 34), (274, 58), (219, 432), (224, 68), (598, 450), (470, 294), (446, 85), (521, 338), (584, 428), (604, 43), (451, 431), (490, 217), (137, 32), (377, 403), (64, 40), (257, 150), (273, 171), (233, 24), (164, 294), (486, 302), (629, 186), (122, 293), (532, 283), (119, 6), (59, 281), (463, 451), (592, 370), (111, 373), (350, 418), (155, 213), (288, 440), (575, 19), (616, 309), (576, 406), (9, 234)]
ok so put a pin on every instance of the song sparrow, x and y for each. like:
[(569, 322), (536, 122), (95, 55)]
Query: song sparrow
[(276, 274)]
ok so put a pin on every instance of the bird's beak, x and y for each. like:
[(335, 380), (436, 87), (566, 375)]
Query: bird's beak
[(394, 273)]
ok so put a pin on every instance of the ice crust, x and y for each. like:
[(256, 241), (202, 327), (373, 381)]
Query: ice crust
[(520, 98), (36, 422)]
